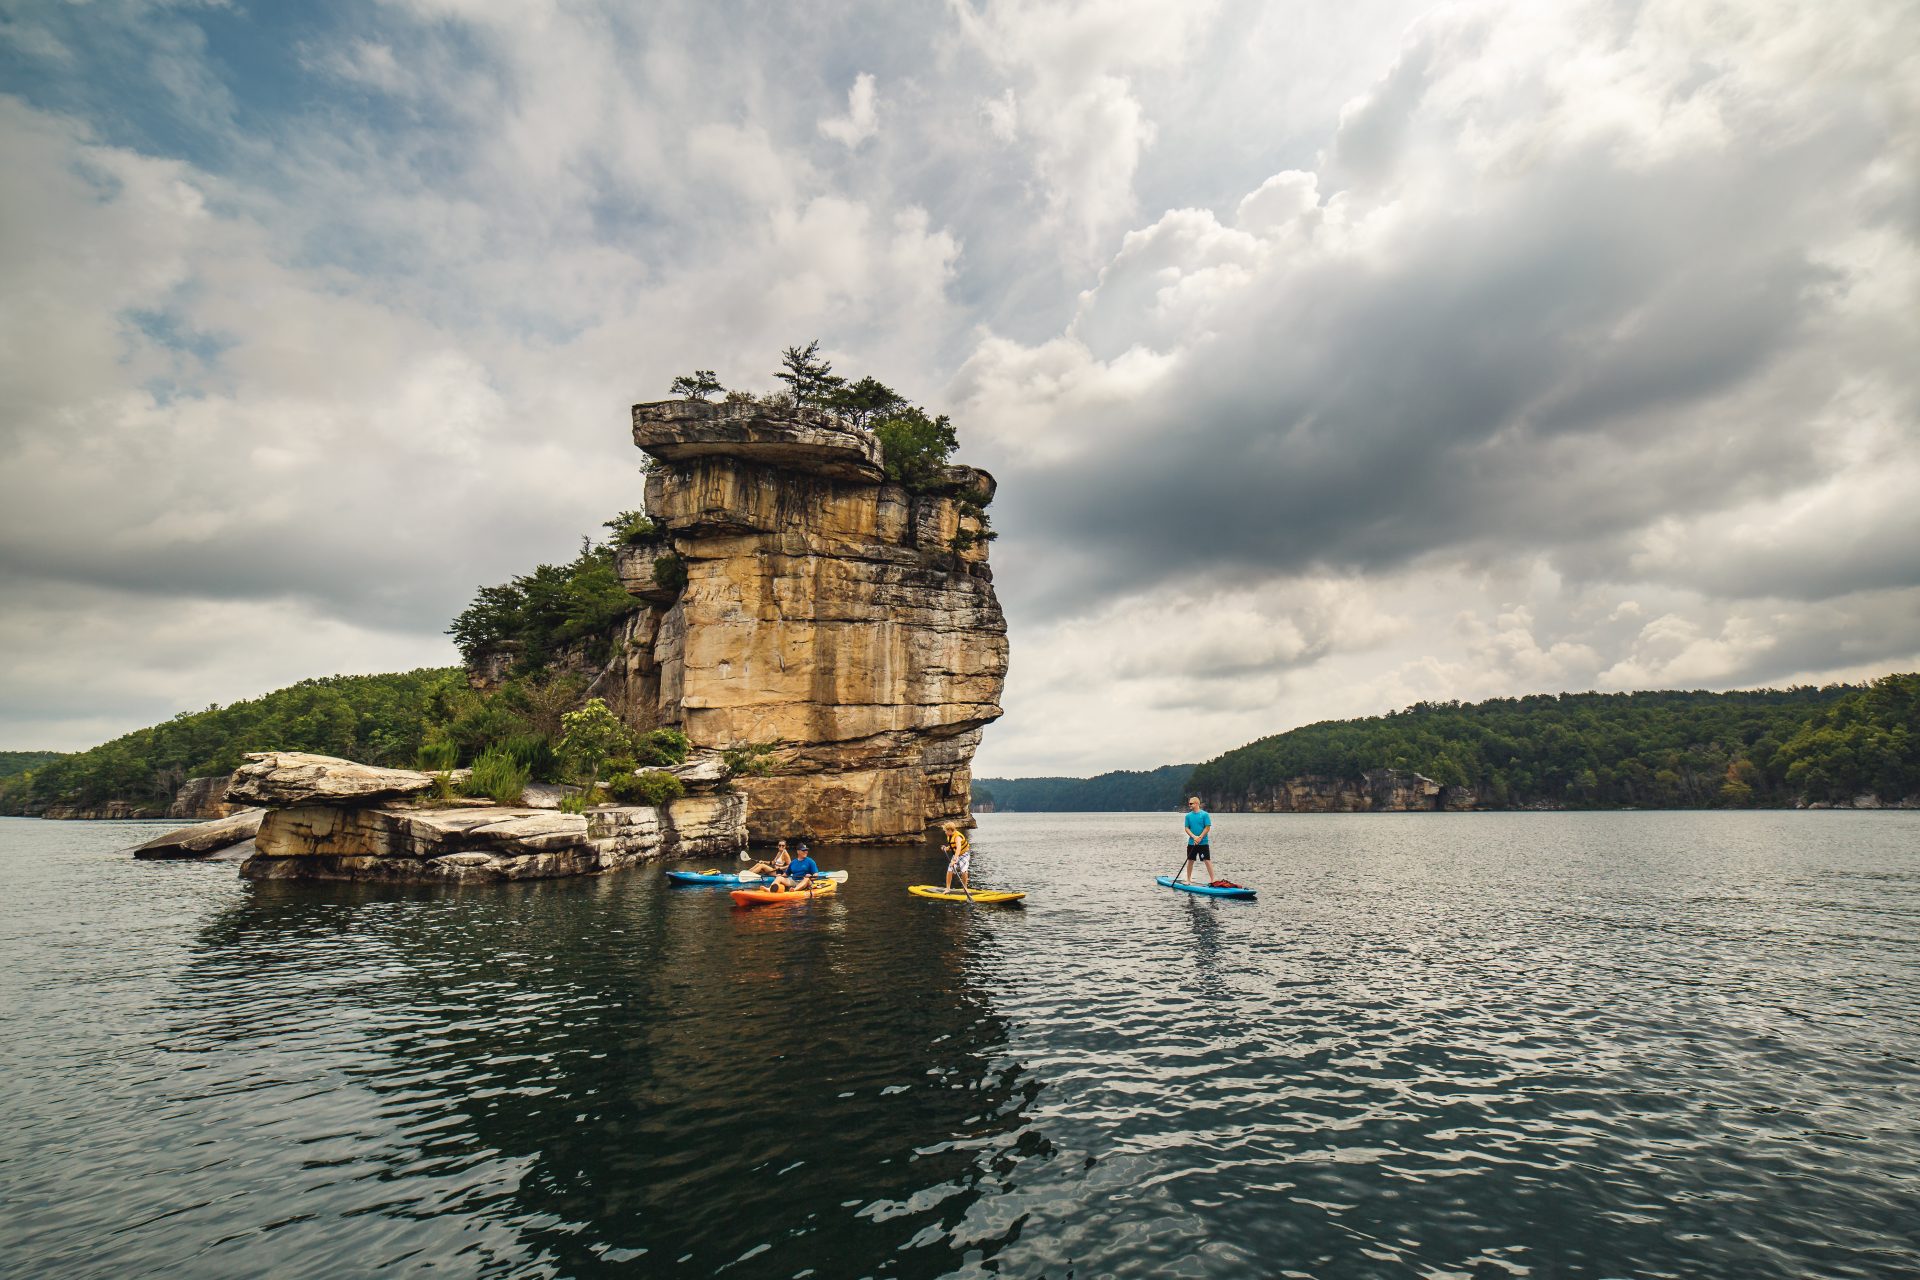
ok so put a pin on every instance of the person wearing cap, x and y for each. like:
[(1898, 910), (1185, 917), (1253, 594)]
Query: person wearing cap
[(800, 872)]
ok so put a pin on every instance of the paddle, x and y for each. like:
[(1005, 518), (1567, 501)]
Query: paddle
[(1184, 865)]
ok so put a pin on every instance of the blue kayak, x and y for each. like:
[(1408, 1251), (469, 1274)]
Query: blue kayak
[(1235, 892), (715, 877)]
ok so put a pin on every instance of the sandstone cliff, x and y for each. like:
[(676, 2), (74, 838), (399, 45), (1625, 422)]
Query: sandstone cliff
[(823, 609), (1375, 791)]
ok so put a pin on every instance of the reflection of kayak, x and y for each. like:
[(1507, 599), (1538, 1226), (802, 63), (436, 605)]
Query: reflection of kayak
[(750, 897), (1235, 892), (714, 877), (979, 895)]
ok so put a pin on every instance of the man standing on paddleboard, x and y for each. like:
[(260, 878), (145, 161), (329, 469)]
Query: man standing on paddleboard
[(1199, 825)]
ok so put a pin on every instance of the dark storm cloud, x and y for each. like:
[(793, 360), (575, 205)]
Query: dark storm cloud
[(1541, 358)]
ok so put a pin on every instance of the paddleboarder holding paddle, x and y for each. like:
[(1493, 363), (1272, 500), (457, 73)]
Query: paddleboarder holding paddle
[(1199, 824), (959, 859)]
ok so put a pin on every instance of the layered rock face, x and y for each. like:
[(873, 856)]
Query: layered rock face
[(330, 819), (202, 798), (825, 610), (1375, 791)]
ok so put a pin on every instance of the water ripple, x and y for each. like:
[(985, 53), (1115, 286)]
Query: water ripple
[(1463, 1046)]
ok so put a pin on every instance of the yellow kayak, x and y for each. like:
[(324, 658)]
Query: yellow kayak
[(747, 897), (979, 895)]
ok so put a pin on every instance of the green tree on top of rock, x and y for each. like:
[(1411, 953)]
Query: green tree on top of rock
[(917, 445), (864, 402), (697, 385), (809, 376)]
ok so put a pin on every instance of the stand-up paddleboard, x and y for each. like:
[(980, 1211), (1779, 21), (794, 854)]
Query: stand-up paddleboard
[(979, 895), (1235, 892), (754, 897)]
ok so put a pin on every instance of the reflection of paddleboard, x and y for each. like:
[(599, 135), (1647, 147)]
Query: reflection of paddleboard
[(714, 877), (979, 895), (749, 897), (1235, 892)]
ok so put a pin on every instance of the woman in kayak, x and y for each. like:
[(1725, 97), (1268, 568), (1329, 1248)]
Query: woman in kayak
[(799, 873), (959, 857), (778, 866)]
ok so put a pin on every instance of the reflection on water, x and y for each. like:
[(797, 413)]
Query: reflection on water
[(605, 1071), (1446, 1045)]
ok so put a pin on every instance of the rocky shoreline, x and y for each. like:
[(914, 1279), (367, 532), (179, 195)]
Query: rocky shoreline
[(312, 817)]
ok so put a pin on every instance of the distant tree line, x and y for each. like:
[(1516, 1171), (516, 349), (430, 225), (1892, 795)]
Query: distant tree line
[(15, 763), (1607, 750), (1122, 791), (380, 719)]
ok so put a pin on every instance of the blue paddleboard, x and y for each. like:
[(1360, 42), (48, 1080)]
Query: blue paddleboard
[(1208, 889)]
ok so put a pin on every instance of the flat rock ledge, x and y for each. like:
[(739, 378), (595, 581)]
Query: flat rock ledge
[(399, 842), (204, 838), (794, 439), (277, 779)]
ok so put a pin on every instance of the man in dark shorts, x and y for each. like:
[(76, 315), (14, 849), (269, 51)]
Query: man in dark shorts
[(1199, 825)]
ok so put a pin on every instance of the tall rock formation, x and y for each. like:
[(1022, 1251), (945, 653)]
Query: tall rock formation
[(796, 597)]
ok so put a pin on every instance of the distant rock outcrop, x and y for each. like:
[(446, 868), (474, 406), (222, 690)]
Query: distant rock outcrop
[(1375, 791), (794, 597), (202, 798)]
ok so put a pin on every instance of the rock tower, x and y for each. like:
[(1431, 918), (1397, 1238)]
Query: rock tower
[(794, 596)]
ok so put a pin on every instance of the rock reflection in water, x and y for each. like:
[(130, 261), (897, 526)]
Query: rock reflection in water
[(612, 1070)]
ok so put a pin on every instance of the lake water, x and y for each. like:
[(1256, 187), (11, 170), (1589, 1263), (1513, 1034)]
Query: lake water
[(1476, 1045)]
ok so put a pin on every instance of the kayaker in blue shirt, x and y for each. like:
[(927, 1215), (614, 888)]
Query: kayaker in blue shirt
[(1199, 824), (799, 873)]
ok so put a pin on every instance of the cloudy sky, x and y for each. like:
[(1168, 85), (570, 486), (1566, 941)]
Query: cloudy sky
[(1331, 355)]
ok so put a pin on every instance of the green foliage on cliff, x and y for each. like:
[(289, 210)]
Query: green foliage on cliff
[(654, 786), (1122, 791), (916, 446), (498, 776), (629, 528), (551, 609), (1601, 750), (376, 719)]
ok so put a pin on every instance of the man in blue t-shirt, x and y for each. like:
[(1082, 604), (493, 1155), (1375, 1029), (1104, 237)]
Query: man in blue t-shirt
[(1199, 825), (800, 872)]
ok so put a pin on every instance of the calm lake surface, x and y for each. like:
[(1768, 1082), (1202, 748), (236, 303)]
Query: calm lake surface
[(1551, 1045)]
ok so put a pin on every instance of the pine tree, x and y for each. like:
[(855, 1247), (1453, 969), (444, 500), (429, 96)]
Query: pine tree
[(808, 375)]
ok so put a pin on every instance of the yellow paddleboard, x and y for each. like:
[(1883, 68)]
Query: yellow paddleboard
[(938, 894)]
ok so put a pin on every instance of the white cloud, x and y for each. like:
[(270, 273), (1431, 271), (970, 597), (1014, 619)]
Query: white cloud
[(1573, 350), (862, 120)]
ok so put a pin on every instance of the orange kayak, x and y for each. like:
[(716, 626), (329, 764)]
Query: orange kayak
[(750, 897)]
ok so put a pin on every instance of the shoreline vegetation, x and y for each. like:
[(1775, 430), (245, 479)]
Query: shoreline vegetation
[(1839, 746)]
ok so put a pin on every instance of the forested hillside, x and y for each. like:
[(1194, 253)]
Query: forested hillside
[(1597, 750), (15, 763), (1121, 791), (376, 719)]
